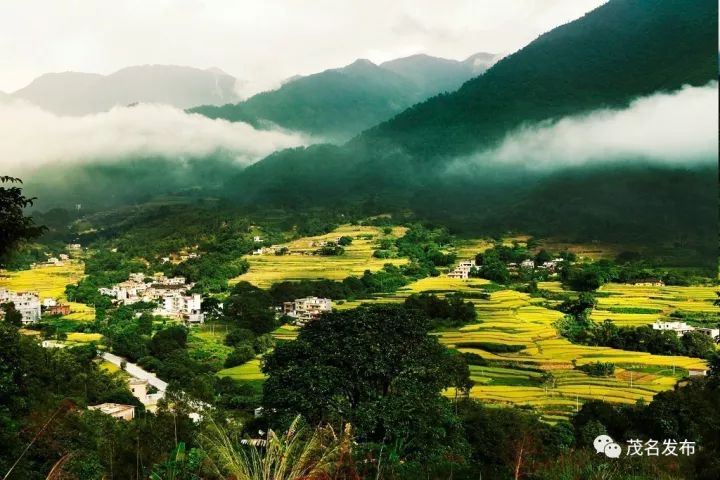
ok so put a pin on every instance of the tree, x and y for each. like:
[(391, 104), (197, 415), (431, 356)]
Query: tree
[(168, 340), (542, 257), (12, 316), (698, 345), (509, 442), (249, 307), (240, 355), (344, 241), (15, 227), (376, 367)]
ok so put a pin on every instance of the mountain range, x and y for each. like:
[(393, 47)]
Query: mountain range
[(604, 61), (614, 54), (338, 103), (77, 93)]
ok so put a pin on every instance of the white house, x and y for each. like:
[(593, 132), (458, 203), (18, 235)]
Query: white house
[(527, 264), (117, 410), (49, 302), (680, 328), (26, 303), (306, 309), (257, 238), (462, 270), (713, 333), (178, 305)]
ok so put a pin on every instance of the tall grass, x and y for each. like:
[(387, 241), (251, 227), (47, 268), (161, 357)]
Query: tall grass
[(300, 453)]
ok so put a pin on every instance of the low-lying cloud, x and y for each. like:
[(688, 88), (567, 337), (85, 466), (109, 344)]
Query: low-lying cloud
[(31, 138), (676, 128)]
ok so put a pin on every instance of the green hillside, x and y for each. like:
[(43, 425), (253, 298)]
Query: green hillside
[(339, 103), (612, 55)]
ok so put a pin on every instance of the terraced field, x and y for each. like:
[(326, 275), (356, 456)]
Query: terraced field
[(269, 268), (247, 372), (662, 300), (50, 282), (542, 375)]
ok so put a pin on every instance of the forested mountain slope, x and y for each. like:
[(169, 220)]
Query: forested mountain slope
[(338, 103), (611, 56)]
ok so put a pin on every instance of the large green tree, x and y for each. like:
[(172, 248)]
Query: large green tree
[(15, 226), (376, 367)]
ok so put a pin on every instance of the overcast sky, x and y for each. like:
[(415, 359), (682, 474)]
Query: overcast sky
[(262, 41)]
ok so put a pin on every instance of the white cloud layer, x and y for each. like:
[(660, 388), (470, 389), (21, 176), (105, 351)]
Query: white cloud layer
[(673, 128), (262, 41), (31, 137)]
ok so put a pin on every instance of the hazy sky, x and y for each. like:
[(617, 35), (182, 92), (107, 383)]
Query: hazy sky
[(261, 41)]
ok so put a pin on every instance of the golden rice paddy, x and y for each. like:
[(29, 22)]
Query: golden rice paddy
[(269, 268), (50, 282)]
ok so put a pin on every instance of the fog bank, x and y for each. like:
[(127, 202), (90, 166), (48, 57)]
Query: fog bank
[(31, 138), (678, 128)]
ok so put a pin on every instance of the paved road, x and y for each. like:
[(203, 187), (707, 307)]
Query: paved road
[(136, 371)]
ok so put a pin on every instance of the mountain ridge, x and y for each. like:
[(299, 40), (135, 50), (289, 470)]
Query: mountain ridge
[(338, 103), (80, 93)]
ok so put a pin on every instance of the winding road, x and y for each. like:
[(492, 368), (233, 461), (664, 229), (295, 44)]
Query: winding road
[(136, 371)]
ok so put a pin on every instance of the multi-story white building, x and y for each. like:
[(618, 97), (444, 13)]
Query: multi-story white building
[(306, 309), (462, 270), (27, 303), (178, 305)]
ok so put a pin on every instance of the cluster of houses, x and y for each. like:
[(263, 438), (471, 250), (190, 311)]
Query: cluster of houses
[(140, 390), (170, 294), (26, 303), (464, 268), (181, 257), (551, 266), (58, 261), (681, 328), (306, 309), (275, 249)]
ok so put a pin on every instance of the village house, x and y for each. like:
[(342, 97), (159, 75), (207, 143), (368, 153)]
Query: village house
[(181, 306), (139, 389), (26, 303), (257, 238), (680, 328), (462, 270), (59, 309), (64, 257), (697, 372), (527, 264), (170, 294), (49, 302), (713, 333), (552, 265), (305, 309), (117, 410)]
